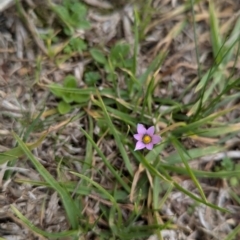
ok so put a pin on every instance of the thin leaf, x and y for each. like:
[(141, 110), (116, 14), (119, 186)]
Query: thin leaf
[(116, 136), (35, 229), (106, 162), (69, 205)]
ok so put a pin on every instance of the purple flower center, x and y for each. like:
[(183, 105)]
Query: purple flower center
[(146, 139)]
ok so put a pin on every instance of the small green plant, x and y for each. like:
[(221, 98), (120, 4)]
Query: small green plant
[(235, 180), (227, 164), (117, 58), (91, 78), (75, 45), (72, 14), (69, 94), (50, 37)]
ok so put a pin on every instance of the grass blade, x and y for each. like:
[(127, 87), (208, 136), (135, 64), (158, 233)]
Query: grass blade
[(41, 232), (180, 151), (115, 174), (116, 136), (101, 189), (71, 210)]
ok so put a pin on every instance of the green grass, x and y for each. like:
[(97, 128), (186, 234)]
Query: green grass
[(133, 186)]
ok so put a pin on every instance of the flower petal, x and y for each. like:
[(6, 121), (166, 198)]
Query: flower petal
[(139, 145), (138, 137), (141, 129), (150, 131), (156, 139), (149, 146)]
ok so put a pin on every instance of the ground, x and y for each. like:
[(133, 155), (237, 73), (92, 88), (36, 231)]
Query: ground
[(76, 79)]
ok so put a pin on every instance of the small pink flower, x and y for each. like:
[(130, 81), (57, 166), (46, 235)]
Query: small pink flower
[(145, 137)]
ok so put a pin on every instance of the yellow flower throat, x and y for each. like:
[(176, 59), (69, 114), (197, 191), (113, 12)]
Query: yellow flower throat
[(146, 139)]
